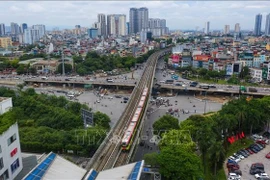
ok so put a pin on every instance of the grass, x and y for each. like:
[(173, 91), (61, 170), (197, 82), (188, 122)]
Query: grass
[(233, 148)]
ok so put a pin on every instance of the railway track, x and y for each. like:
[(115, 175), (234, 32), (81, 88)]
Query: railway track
[(109, 153)]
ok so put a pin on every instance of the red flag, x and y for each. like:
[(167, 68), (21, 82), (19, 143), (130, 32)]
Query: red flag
[(236, 137), (232, 139), (243, 135)]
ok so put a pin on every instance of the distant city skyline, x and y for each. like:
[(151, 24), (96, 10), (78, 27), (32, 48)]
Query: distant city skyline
[(179, 14)]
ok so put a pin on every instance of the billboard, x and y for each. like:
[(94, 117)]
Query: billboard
[(88, 118), (229, 69)]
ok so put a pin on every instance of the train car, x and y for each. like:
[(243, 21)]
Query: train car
[(134, 122)]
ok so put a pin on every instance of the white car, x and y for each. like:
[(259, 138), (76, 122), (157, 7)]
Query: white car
[(261, 175), (239, 155), (235, 159), (234, 176)]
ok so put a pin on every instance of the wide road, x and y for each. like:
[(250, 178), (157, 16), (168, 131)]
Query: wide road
[(107, 154)]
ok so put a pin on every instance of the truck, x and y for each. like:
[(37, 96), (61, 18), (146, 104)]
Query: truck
[(252, 89)]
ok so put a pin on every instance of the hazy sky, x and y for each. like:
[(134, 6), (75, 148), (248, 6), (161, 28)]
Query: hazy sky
[(179, 14)]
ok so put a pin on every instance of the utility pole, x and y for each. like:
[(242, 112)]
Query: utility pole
[(63, 63)]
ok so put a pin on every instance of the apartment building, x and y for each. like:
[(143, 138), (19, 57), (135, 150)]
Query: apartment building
[(5, 42)]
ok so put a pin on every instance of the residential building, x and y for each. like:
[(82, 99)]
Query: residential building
[(207, 27), (93, 33), (138, 19), (258, 25), (10, 151), (267, 25), (41, 28), (237, 28), (256, 74), (15, 29), (5, 42), (116, 24), (31, 36), (2, 29), (102, 22), (23, 27), (227, 29)]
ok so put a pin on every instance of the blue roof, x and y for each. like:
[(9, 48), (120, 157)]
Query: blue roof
[(38, 172), (134, 175), (93, 175)]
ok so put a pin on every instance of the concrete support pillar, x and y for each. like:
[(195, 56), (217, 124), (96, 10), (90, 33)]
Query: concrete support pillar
[(117, 88), (232, 94), (200, 92), (69, 84), (171, 91), (64, 85), (41, 85)]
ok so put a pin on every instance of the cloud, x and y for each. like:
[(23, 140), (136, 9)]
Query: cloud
[(179, 14)]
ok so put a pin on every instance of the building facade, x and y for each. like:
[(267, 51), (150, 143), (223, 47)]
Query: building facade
[(227, 29), (15, 29), (23, 27), (2, 29), (41, 28), (207, 27), (5, 42), (102, 24), (116, 24), (258, 25), (138, 19), (10, 153), (237, 28), (267, 25), (93, 33)]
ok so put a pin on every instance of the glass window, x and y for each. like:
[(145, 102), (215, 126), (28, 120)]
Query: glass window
[(12, 139), (4, 176), (1, 163), (15, 165)]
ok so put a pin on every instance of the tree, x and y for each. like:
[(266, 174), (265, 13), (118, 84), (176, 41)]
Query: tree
[(217, 155), (151, 159), (179, 163), (165, 123), (102, 120), (68, 68)]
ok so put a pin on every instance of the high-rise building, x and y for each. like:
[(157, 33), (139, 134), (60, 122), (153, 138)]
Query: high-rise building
[(267, 25), (116, 24), (23, 27), (127, 28), (156, 26), (41, 29), (207, 27), (2, 29), (31, 36), (102, 21), (258, 25), (138, 19), (15, 29), (237, 28), (163, 23), (227, 29)]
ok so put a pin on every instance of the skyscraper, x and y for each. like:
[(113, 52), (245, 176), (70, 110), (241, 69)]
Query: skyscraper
[(207, 27), (116, 24), (102, 21), (15, 29), (237, 28), (227, 29), (258, 25), (267, 25), (23, 27), (138, 19), (42, 30), (2, 29)]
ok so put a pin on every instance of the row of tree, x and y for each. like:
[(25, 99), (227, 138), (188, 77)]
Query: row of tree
[(207, 132), (50, 123), (94, 62)]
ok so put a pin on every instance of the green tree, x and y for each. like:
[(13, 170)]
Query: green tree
[(151, 159), (170, 160), (102, 120), (165, 123), (217, 155), (68, 68)]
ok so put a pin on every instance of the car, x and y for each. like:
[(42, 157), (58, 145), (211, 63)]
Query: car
[(263, 178), (233, 165), (261, 175), (236, 171), (260, 145), (234, 176), (178, 84), (267, 155), (263, 141), (242, 153), (212, 86), (250, 151), (118, 96), (239, 156), (256, 168), (193, 84)]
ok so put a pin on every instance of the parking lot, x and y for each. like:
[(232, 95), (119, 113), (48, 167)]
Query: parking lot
[(255, 158)]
